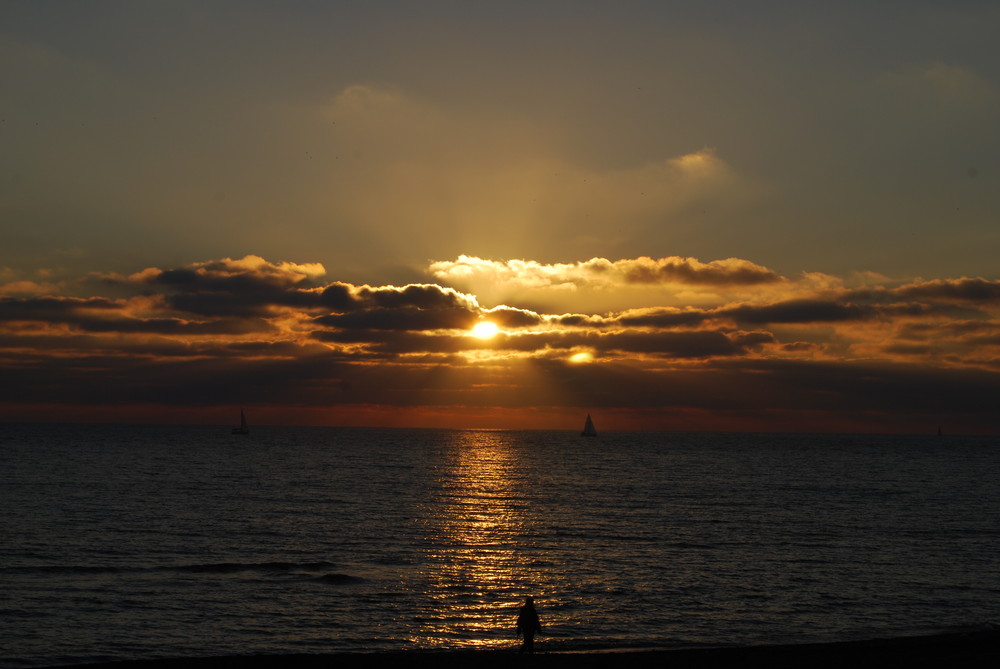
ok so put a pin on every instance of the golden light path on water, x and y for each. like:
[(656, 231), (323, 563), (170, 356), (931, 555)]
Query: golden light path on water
[(476, 562)]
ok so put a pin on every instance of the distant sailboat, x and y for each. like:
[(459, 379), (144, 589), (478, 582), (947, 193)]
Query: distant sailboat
[(242, 429), (588, 428)]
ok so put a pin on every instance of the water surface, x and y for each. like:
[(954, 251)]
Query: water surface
[(141, 542)]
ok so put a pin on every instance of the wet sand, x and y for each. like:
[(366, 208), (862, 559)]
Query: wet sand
[(973, 649)]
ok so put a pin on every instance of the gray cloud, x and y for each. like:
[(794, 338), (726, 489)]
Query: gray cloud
[(400, 319), (973, 290), (274, 332), (799, 311)]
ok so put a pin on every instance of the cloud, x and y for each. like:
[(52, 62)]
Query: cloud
[(663, 318), (799, 311), (26, 287), (964, 289), (415, 296), (228, 274), (407, 318), (410, 307), (674, 346), (248, 286), (511, 317), (604, 273), (53, 309), (728, 272), (600, 283), (282, 333)]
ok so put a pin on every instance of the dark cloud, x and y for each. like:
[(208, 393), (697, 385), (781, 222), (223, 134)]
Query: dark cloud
[(391, 342), (580, 320), (247, 287), (413, 307), (102, 315), (176, 326), (752, 340), (252, 287), (410, 307), (267, 333), (681, 345), (909, 349), (248, 299), (973, 290), (86, 346), (697, 344), (248, 274), (400, 319), (51, 309), (731, 272), (508, 317), (417, 296), (664, 318), (986, 340), (799, 311), (146, 346), (950, 328), (338, 297), (800, 347)]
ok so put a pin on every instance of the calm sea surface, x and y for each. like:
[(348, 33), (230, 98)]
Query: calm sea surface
[(142, 542)]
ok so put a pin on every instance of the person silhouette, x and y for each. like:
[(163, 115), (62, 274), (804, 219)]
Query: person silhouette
[(528, 625)]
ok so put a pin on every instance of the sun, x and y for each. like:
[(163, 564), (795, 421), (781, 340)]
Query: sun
[(485, 330)]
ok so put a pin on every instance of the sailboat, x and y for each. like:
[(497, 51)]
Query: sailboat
[(242, 429), (588, 428)]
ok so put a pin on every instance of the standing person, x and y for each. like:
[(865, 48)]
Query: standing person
[(528, 625)]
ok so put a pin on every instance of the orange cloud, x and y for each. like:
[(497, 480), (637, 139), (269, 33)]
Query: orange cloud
[(603, 273), (278, 334)]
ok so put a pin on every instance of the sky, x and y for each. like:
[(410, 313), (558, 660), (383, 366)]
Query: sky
[(765, 216)]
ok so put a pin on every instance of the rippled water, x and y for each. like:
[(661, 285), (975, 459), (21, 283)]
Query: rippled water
[(137, 542)]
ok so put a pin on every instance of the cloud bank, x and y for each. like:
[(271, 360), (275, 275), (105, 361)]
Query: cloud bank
[(757, 350)]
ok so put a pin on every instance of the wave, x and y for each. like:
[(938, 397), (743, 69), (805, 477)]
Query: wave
[(60, 568), (203, 568), (339, 579), (233, 567)]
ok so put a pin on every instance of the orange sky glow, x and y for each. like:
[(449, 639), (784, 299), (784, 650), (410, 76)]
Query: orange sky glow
[(677, 216), (754, 350)]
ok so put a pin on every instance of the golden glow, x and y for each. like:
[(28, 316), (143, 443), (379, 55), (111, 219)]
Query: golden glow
[(485, 330), (475, 533), (581, 357)]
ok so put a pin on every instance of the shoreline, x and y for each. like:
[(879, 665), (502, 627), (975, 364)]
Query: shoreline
[(965, 649)]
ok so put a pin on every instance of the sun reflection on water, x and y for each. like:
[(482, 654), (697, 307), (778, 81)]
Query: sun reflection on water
[(478, 542)]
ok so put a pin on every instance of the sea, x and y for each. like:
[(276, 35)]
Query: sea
[(144, 542)]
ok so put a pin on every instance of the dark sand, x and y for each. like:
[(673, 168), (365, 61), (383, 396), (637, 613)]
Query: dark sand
[(973, 649)]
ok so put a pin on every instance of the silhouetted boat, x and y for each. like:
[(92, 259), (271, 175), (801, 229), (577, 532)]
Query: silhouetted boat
[(588, 428), (242, 429)]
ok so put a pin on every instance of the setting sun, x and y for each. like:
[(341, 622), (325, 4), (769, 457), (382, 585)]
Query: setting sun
[(485, 330), (448, 311)]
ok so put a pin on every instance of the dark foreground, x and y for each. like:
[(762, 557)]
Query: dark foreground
[(972, 649)]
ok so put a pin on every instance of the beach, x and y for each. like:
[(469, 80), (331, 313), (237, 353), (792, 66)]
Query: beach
[(969, 649)]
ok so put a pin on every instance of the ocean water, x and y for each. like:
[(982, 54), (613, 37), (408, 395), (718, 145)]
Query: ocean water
[(145, 542)]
